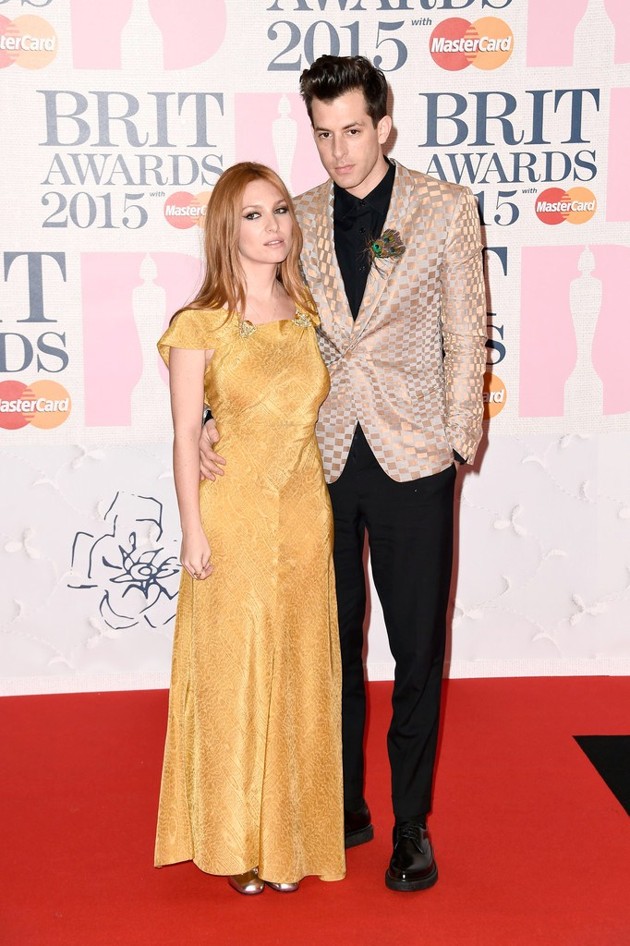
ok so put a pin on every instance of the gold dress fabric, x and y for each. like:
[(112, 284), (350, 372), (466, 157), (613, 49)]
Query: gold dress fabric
[(252, 766)]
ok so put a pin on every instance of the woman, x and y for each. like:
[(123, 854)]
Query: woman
[(251, 785)]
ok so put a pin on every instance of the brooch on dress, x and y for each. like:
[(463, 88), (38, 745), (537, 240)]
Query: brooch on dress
[(302, 319), (246, 328)]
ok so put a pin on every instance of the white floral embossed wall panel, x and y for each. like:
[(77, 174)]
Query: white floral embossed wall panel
[(119, 118)]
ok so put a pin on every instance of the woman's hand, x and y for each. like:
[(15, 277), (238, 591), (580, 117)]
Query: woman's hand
[(195, 555)]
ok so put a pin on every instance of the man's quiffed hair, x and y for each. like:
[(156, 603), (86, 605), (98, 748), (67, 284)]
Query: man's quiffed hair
[(332, 76)]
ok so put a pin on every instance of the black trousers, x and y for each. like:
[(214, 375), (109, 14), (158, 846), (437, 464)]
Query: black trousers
[(410, 533)]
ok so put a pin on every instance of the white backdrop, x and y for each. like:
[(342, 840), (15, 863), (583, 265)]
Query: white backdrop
[(118, 118)]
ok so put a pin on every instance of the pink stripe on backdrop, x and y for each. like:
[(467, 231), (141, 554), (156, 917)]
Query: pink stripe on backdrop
[(619, 13), (191, 34), (96, 39), (112, 353), (180, 276), (618, 196), (255, 114), (550, 28), (612, 338), (548, 347), (547, 344)]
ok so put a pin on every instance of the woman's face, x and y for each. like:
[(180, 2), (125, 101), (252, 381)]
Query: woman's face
[(266, 231)]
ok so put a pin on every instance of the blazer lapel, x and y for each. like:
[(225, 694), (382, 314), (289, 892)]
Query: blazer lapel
[(329, 267), (398, 218)]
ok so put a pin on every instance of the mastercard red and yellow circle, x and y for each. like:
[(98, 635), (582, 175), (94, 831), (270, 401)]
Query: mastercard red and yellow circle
[(555, 205), (184, 210), (456, 43), (494, 395), (30, 41), (42, 404)]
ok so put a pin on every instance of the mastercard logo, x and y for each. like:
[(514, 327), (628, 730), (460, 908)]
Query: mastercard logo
[(184, 210), (27, 41), (555, 205), (486, 44), (494, 395), (43, 404)]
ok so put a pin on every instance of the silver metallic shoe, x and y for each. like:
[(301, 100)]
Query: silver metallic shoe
[(283, 888), (248, 883)]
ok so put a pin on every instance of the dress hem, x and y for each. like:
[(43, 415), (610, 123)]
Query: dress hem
[(325, 877)]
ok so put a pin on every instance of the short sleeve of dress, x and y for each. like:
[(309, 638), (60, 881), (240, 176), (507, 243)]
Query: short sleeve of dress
[(194, 329)]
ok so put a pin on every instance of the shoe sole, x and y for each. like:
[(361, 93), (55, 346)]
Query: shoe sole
[(410, 885), (362, 836)]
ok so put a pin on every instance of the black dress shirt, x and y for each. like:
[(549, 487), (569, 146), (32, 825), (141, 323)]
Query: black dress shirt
[(358, 221)]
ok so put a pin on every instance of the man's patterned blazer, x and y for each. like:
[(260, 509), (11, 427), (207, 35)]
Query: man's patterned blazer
[(410, 368)]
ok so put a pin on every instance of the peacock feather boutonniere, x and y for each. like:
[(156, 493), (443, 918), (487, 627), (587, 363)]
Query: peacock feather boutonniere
[(388, 246)]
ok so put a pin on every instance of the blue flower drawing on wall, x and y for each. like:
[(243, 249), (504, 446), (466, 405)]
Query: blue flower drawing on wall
[(135, 578)]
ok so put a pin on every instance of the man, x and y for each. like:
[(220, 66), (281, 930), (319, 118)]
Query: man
[(403, 336)]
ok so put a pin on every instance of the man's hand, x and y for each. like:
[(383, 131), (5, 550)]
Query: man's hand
[(210, 463)]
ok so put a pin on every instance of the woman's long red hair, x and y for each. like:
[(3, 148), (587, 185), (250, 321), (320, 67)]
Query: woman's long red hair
[(224, 284)]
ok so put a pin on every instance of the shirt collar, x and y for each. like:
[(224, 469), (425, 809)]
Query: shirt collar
[(378, 199)]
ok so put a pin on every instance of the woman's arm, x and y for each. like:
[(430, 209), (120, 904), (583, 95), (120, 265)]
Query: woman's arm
[(186, 370)]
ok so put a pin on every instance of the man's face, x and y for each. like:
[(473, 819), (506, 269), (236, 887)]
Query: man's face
[(350, 147)]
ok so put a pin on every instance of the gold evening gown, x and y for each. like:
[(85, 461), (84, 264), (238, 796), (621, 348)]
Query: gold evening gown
[(252, 765)]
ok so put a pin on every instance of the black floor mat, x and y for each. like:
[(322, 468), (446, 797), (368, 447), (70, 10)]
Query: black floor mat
[(611, 757)]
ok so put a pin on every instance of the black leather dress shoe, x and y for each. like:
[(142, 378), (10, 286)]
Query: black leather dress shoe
[(358, 826), (412, 866)]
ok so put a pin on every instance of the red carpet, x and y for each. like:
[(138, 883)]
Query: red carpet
[(532, 846)]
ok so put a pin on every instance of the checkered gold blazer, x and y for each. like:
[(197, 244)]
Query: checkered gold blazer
[(410, 369)]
